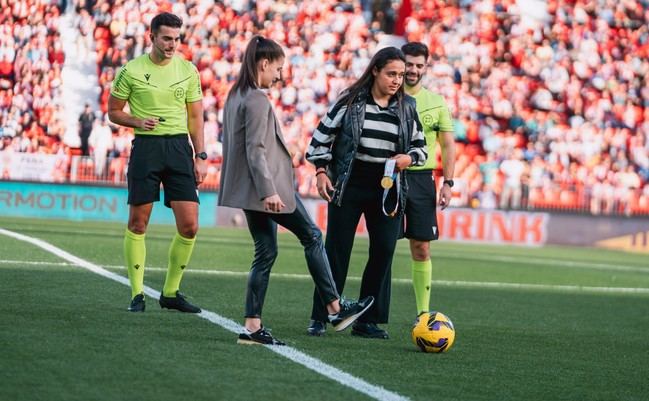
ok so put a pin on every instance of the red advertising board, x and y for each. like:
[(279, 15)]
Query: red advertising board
[(475, 225)]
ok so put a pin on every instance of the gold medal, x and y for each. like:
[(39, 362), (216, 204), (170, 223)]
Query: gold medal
[(388, 174), (387, 182)]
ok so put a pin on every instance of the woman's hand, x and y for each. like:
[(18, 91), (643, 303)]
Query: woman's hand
[(402, 161), (324, 186), (273, 203)]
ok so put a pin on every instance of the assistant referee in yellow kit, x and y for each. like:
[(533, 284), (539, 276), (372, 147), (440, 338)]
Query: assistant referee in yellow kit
[(421, 205), (164, 96)]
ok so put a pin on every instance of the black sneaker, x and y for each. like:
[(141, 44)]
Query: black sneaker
[(369, 330), (316, 328), (179, 303), (349, 312), (261, 336), (137, 304)]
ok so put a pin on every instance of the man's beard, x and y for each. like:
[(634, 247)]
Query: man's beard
[(419, 77)]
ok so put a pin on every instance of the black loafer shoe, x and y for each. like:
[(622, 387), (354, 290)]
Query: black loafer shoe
[(137, 304), (369, 330), (179, 302), (316, 328)]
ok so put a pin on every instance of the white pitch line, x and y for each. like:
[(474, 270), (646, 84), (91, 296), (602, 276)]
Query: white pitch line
[(33, 262), (525, 260), (318, 366), (541, 287), (445, 283), (492, 258)]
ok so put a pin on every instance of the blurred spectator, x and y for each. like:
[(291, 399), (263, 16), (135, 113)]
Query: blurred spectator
[(513, 169), (86, 123), (101, 142), (31, 58), (485, 198), (570, 88)]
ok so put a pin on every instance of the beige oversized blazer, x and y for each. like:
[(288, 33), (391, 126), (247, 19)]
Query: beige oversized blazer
[(256, 162)]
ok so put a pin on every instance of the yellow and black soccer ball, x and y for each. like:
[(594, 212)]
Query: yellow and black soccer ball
[(433, 332)]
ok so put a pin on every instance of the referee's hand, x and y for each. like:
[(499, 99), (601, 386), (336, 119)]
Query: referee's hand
[(149, 123), (200, 170), (445, 196)]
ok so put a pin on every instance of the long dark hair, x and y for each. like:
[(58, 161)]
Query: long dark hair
[(258, 48), (365, 82)]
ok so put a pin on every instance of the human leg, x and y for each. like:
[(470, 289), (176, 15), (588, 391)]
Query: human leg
[(264, 233), (299, 223), (422, 273), (135, 249), (143, 189), (340, 314), (178, 180), (182, 245), (383, 232), (421, 228), (341, 230)]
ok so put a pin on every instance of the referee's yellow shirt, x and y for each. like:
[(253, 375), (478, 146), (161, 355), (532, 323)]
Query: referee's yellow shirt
[(435, 117), (152, 90)]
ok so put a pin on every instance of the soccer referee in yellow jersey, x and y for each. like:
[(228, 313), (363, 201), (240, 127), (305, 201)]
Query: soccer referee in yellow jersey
[(164, 96), (421, 204)]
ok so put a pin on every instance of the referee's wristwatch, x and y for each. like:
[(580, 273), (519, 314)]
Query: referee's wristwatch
[(450, 183), (201, 155)]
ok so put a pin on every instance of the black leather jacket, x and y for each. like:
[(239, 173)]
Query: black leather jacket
[(346, 143)]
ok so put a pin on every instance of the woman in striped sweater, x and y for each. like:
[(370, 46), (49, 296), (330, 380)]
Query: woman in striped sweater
[(372, 124)]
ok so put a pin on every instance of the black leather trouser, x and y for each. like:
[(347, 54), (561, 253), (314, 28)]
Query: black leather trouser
[(263, 228), (383, 233)]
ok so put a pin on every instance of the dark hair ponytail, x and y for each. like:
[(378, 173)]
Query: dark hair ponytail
[(259, 48)]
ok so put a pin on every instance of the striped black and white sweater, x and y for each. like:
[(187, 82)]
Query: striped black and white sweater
[(379, 137)]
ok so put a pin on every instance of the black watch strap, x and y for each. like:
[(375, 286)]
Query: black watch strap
[(450, 183), (201, 155)]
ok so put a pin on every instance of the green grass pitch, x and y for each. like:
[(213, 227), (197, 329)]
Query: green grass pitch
[(551, 323)]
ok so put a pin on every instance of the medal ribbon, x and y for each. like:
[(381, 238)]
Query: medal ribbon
[(389, 176)]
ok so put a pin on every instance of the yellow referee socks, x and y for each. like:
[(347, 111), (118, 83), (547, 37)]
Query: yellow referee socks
[(135, 255), (422, 274), (180, 251)]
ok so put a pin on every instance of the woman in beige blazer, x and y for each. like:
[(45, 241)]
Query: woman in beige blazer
[(257, 176)]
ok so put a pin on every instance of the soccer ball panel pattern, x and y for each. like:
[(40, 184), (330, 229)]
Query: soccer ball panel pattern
[(433, 332)]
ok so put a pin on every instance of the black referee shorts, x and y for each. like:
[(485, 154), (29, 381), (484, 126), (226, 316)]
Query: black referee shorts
[(421, 207), (162, 159)]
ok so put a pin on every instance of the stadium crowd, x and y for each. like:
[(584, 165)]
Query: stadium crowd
[(551, 111), (31, 59)]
